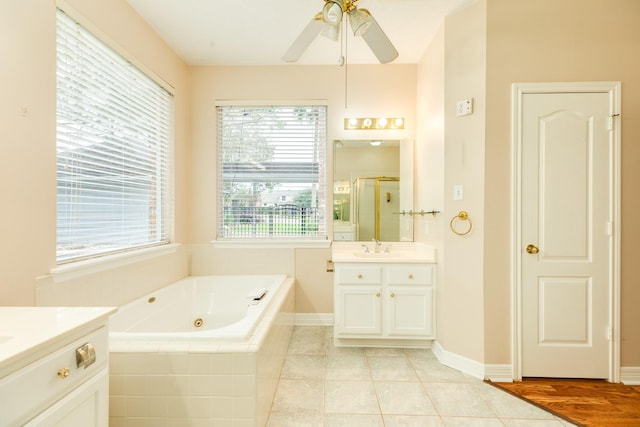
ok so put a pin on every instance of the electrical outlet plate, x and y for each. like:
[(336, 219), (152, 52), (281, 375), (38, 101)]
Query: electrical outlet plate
[(464, 107)]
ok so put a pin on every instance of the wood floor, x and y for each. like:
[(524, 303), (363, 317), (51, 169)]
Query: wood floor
[(592, 403)]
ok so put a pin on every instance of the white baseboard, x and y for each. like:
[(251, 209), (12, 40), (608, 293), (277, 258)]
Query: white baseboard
[(499, 373), (630, 375), (455, 361), (313, 319)]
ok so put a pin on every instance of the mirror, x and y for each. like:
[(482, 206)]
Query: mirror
[(372, 185)]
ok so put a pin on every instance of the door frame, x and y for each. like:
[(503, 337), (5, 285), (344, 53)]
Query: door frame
[(518, 91)]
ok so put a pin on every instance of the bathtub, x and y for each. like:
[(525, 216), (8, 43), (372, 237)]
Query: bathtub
[(206, 349), (198, 308)]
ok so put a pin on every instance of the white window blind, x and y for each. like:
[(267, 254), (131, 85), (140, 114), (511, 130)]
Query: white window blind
[(114, 139), (271, 172)]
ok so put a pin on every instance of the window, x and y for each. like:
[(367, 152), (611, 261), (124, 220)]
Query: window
[(114, 137), (271, 172)]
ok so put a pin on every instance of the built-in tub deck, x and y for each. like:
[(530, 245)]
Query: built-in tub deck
[(205, 349)]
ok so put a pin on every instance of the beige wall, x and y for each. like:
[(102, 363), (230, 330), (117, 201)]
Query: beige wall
[(28, 155), (371, 91), (549, 40), (461, 330)]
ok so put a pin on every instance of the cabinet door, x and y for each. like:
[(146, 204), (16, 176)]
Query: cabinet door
[(358, 310), (86, 406), (410, 311)]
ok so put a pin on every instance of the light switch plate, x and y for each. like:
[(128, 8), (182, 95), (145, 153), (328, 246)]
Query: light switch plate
[(458, 192)]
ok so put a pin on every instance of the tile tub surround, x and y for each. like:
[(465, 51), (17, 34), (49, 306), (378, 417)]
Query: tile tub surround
[(201, 384), (325, 386)]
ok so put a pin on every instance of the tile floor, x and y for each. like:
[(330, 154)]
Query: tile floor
[(324, 385)]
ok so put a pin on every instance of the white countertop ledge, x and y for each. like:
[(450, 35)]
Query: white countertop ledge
[(26, 331)]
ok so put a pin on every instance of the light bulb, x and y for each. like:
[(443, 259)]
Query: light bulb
[(332, 12)]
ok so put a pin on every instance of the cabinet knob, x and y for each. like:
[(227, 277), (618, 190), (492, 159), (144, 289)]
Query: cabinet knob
[(392, 295), (63, 373), (378, 294), (411, 276), (359, 276)]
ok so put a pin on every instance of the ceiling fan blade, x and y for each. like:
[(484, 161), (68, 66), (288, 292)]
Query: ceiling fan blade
[(379, 43), (306, 37)]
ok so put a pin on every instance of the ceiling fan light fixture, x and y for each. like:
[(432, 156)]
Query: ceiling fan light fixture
[(332, 12), (327, 23), (360, 20), (331, 32)]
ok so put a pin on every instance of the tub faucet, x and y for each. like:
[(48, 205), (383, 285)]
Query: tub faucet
[(378, 245)]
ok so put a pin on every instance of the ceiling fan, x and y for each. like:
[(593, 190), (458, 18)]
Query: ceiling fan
[(328, 22)]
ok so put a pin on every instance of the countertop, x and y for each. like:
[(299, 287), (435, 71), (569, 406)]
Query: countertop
[(391, 257), (28, 333), (388, 253)]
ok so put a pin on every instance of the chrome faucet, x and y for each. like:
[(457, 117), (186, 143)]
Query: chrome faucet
[(378, 245), (366, 249)]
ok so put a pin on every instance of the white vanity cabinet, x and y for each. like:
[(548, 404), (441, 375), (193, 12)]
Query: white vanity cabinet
[(54, 366), (389, 304)]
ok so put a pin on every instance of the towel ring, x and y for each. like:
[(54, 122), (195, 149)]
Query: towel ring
[(462, 216)]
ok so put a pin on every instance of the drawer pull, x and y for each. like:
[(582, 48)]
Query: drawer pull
[(63, 373), (85, 355), (359, 276), (411, 276), (392, 295), (378, 294)]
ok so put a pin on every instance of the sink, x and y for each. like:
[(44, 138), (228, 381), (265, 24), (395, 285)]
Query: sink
[(382, 255), (5, 339), (398, 252)]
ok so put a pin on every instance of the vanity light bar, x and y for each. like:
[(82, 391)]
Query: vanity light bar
[(374, 123)]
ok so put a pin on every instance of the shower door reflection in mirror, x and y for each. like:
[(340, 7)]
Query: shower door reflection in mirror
[(376, 208)]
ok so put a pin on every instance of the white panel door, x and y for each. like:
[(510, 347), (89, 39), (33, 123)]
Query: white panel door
[(566, 234)]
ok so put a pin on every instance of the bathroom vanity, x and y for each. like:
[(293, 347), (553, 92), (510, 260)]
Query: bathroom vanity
[(383, 298), (54, 366)]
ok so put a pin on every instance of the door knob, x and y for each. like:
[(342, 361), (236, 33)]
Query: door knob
[(532, 249)]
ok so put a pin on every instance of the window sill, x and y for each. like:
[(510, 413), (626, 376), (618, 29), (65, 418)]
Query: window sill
[(77, 269), (291, 244)]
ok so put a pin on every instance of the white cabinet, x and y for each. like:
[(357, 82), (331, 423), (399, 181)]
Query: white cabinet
[(384, 303), (54, 367)]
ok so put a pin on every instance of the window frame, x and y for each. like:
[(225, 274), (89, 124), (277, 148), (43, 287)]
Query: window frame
[(74, 266), (293, 241)]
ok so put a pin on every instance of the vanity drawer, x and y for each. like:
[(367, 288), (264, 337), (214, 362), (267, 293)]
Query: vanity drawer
[(28, 391), (409, 275), (358, 274)]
